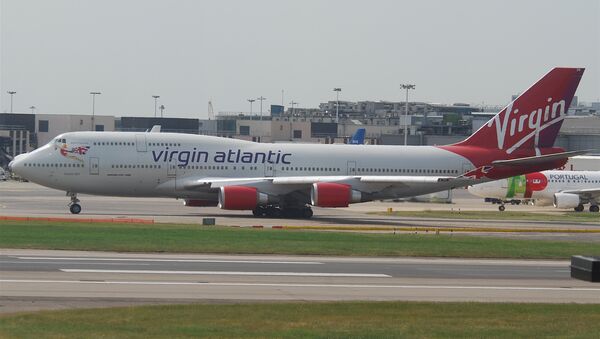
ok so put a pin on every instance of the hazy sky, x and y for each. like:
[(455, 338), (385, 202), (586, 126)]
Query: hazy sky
[(53, 53)]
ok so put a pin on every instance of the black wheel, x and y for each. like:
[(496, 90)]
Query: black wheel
[(258, 212), (291, 213), (579, 208), (501, 208), (307, 213), (75, 208), (272, 212), (594, 208)]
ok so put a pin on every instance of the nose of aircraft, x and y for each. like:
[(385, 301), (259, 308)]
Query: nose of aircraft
[(16, 164)]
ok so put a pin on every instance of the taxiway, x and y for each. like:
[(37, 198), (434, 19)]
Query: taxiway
[(28, 277)]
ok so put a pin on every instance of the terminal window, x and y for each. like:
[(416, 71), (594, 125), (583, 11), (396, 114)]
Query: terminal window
[(43, 126), (297, 134), (244, 130)]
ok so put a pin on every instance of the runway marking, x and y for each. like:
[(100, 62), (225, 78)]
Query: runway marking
[(298, 274), (178, 260), (184, 283)]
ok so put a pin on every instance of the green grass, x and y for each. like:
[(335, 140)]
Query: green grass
[(199, 239), (312, 320), (497, 215)]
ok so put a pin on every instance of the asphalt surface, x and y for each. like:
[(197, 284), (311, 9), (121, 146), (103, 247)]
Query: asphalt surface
[(32, 279), (28, 199)]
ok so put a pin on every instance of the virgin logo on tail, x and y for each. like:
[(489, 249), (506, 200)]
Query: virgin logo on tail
[(533, 120), (512, 123)]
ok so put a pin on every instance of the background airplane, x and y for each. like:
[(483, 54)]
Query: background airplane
[(287, 179), (358, 138), (563, 189)]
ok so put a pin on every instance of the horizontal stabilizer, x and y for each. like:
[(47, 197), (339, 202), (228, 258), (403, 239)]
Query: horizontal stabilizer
[(537, 159)]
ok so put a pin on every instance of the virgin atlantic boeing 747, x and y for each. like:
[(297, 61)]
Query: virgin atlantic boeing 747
[(287, 179)]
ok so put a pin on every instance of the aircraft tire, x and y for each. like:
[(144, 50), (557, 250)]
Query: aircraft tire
[(258, 212), (579, 208), (75, 208), (307, 213), (272, 212), (594, 208), (501, 208)]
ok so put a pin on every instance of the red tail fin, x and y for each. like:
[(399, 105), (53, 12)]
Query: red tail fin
[(532, 120)]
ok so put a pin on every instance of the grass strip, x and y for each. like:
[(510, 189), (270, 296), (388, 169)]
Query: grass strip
[(497, 215), (313, 320), (181, 238)]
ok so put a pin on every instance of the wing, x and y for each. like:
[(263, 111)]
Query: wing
[(373, 187)]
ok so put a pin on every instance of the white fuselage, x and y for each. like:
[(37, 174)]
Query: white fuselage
[(523, 187), (159, 164)]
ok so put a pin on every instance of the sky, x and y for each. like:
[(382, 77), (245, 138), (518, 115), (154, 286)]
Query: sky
[(53, 53)]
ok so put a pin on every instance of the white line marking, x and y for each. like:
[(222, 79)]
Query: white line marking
[(300, 274), (74, 263), (178, 260), (441, 287)]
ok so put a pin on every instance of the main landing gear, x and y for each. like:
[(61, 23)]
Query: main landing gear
[(278, 212), (593, 208), (74, 206)]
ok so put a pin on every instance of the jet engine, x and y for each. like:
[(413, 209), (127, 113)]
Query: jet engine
[(199, 203), (566, 200), (327, 194), (241, 198)]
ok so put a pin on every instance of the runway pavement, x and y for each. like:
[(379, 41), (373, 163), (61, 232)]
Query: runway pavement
[(31, 278), (29, 199)]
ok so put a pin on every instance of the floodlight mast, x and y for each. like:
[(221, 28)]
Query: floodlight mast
[(406, 87)]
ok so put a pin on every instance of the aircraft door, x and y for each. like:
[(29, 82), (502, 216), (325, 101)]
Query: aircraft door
[(269, 170), (94, 166), (351, 168), (172, 168), (140, 143), (504, 184)]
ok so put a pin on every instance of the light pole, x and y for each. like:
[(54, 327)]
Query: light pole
[(162, 108), (251, 101), (261, 100), (94, 107), (32, 108), (11, 99), (337, 104), (292, 104), (406, 87), (155, 101)]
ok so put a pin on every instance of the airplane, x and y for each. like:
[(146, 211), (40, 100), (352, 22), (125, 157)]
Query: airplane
[(286, 180), (563, 189), (358, 138)]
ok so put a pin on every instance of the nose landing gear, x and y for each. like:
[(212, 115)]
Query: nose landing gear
[(74, 206)]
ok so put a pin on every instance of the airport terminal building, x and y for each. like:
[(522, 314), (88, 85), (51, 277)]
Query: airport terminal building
[(384, 123)]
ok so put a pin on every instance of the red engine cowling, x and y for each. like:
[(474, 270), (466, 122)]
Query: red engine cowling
[(199, 203), (241, 198), (327, 194)]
